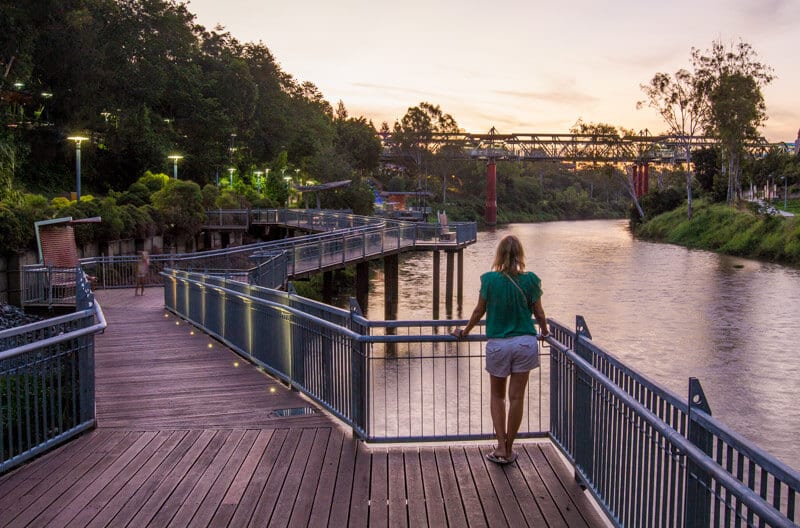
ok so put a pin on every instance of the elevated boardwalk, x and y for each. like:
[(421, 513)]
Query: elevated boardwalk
[(193, 436)]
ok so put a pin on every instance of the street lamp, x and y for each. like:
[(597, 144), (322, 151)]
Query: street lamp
[(78, 140), (46, 96), (785, 192), (231, 170), (175, 158), (258, 179)]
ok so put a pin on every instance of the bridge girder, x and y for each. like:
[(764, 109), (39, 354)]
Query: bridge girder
[(561, 147)]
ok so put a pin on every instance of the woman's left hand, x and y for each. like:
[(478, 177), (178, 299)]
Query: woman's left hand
[(458, 333)]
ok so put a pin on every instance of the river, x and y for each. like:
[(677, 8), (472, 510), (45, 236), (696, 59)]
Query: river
[(667, 311)]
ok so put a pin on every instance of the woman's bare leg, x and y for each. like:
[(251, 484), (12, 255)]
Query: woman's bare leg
[(497, 407), (516, 406)]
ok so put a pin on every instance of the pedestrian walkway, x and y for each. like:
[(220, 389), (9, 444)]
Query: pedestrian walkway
[(189, 434)]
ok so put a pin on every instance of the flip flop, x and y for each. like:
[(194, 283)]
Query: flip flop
[(502, 461)]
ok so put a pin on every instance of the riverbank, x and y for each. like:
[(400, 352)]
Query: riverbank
[(739, 231)]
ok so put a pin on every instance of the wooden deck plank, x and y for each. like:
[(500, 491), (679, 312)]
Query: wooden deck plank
[(453, 501), (265, 503), (82, 493), (287, 491), (396, 480), (360, 498), (498, 477), (585, 507), (323, 495), (310, 480), (238, 442), (432, 489), (149, 455), (417, 515), (489, 499), (47, 491), (136, 490), (563, 501), (343, 493), (470, 498), (234, 494), (249, 499), (22, 480), (379, 489), (186, 483)]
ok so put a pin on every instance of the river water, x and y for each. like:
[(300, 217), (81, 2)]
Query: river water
[(666, 311)]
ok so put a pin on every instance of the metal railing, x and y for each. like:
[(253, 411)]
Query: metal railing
[(46, 383), (649, 458), (48, 285), (652, 459), (342, 239), (378, 377)]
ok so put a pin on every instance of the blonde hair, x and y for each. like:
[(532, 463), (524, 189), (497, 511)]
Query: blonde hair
[(510, 257)]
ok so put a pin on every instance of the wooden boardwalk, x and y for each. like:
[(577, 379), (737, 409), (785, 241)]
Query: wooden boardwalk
[(190, 435)]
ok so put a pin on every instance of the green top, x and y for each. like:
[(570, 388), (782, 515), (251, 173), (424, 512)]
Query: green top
[(507, 312)]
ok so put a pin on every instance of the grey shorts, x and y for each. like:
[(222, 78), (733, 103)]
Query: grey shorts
[(511, 354)]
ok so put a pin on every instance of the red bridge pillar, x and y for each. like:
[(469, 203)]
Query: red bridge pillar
[(491, 193), (641, 179)]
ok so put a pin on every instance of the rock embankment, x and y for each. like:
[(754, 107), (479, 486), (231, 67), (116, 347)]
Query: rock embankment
[(12, 316)]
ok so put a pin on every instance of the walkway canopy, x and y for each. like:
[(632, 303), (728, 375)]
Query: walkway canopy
[(321, 187)]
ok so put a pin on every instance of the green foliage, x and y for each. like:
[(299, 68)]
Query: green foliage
[(230, 199), (356, 197), (180, 205), (718, 227)]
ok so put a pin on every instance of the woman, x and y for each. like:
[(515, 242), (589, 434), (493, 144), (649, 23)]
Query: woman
[(142, 269), (508, 295)]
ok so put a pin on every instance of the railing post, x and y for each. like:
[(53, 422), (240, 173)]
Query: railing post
[(359, 407), (698, 482), (582, 427)]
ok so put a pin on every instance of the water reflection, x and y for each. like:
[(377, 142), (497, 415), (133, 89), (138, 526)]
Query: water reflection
[(668, 311)]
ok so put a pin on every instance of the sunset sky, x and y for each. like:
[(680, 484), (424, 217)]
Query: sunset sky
[(521, 66)]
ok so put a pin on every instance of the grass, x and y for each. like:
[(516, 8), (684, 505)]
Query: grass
[(729, 230)]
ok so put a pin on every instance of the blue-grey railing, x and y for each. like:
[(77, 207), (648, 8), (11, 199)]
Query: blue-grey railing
[(376, 376), (650, 458), (341, 239), (46, 383)]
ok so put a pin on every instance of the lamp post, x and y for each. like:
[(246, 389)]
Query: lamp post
[(78, 140), (785, 192), (46, 96), (175, 158), (231, 170), (258, 179)]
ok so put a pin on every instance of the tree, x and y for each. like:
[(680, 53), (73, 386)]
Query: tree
[(413, 134), (603, 129), (706, 170), (728, 82), (677, 100), (180, 204)]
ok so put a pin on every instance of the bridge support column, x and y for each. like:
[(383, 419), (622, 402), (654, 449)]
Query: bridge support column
[(448, 293), (491, 193), (460, 284), (391, 286), (645, 178), (327, 287), (362, 285), (436, 279)]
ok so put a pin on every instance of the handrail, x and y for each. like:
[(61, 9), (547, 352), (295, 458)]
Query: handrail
[(763, 509), (51, 341), (54, 377)]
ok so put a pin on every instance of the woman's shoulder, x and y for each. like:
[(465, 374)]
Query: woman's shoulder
[(532, 276)]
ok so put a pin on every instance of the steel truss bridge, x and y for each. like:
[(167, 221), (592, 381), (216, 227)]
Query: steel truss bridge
[(562, 147)]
